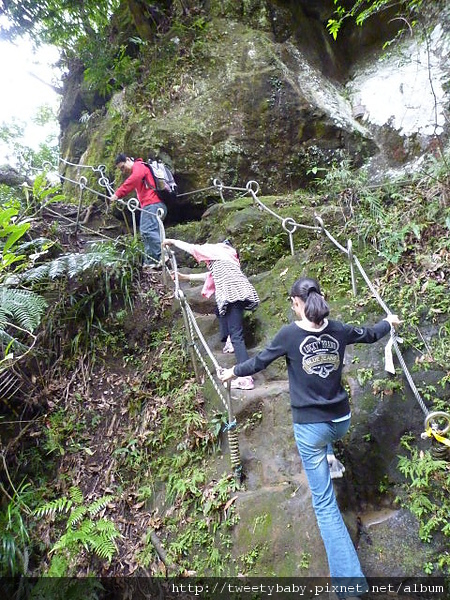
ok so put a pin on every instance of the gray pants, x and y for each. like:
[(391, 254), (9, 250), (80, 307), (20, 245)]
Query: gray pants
[(149, 229)]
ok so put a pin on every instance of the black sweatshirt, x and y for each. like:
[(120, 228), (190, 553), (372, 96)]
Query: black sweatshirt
[(314, 359)]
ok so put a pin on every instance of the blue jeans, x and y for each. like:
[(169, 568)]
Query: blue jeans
[(232, 324), (150, 235), (312, 440)]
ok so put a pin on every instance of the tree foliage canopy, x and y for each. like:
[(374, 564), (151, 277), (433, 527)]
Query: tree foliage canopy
[(102, 35), (62, 23)]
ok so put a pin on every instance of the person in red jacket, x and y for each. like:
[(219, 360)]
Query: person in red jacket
[(140, 179)]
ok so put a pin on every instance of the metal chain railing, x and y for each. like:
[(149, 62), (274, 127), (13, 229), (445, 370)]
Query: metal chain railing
[(437, 423), (197, 344), (433, 421)]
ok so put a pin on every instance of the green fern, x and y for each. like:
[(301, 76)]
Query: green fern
[(103, 545), (57, 267), (70, 541), (76, 516), (51, 509), (76, 494), (75, 264), (106, 528), (426, 492), (376, 207), (20, 315), (20, 307), (99, 504), (58, 568), (96, 536), (36, 244)]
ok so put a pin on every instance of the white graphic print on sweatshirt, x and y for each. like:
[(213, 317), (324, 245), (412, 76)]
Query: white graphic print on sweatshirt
[(320, 355)]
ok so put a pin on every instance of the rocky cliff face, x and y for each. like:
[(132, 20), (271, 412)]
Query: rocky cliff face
[(276, 520), (267, 95)]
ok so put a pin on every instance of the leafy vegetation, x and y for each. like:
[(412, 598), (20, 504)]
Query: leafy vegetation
[(427, 495), (171, 450), (79, 32), (62, 24), (118, 423), (361, 10), (14, 553), (20, 310), (83, 529), (30, 264)]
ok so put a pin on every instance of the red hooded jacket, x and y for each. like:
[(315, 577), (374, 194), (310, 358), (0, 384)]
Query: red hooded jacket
[(142, 181)]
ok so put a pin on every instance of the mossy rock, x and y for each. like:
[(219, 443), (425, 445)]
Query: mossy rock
[(268, 540), (246, 110)]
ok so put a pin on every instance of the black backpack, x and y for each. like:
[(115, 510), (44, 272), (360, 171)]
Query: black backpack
[(166, 188)]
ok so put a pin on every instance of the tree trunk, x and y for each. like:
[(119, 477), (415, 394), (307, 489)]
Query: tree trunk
[(12, 178)]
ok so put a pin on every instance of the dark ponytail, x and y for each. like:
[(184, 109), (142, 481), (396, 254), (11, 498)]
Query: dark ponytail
[(308, 290)]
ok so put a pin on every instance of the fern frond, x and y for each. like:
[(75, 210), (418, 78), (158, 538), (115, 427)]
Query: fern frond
[(36, 274), (99, 504), (97, 537), (73, 537), (103, 546), (61, 543), (86, 532), (35, 244), (54, 507), (377, 209), (108, 528), (23, 307), (103, 542), (57, 267), (76, 494), (69, 541), (74, 264), (75, 516)]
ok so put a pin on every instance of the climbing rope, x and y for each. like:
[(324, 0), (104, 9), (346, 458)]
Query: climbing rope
[(194, 333)]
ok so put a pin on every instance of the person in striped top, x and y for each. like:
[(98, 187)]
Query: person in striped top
[(233, 294)]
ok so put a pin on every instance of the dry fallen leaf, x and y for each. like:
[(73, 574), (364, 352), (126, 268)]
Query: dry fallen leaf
[(229, 503)]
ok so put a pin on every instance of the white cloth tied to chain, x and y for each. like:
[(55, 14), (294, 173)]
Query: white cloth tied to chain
[(388, 357)]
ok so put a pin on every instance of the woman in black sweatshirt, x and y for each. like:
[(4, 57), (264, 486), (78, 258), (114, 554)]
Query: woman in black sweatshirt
[(314, 347)]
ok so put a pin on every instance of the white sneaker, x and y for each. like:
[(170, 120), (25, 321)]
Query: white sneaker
[(228, 348), (150, 268), (242, 383), (155, 265), (337, 469)]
